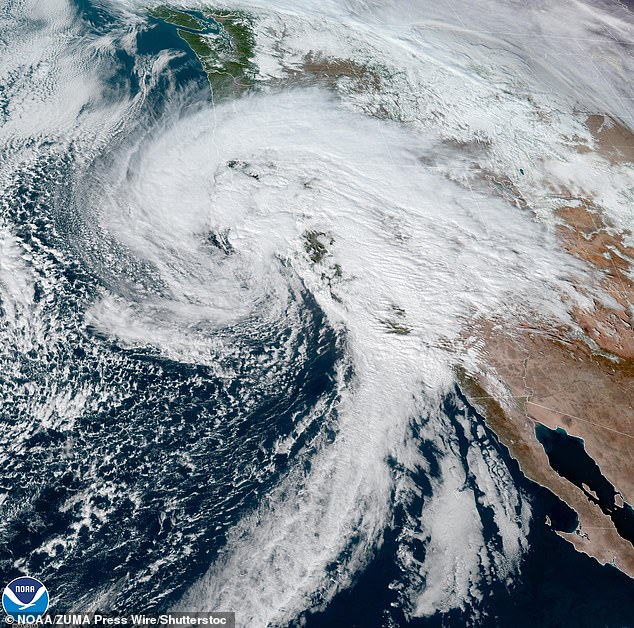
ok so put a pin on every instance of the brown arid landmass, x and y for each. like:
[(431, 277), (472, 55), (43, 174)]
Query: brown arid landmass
[(611, 328), (330, 68), (534, 377), (325, 70), (612, 138), (560, 378)]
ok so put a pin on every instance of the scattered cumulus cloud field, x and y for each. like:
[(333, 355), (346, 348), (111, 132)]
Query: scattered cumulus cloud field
[(392, 187)]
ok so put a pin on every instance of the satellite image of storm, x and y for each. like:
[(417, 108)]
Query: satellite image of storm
[(317, 313)]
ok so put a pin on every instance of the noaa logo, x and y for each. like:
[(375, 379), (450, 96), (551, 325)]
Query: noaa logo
[(25, 597)]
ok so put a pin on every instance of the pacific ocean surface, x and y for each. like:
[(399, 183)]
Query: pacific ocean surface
[(125, 507)]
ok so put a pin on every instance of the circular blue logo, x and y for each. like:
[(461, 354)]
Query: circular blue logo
[(25, 597)]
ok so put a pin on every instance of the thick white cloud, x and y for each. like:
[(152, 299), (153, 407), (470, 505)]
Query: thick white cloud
[(413, 239)]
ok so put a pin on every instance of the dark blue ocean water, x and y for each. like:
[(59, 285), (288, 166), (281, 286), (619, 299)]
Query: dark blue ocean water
[(157, 475), (184, 458), (567, 456), (558, 587)]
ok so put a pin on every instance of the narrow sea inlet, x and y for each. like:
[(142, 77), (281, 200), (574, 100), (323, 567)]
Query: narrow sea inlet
[(568, 457)]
